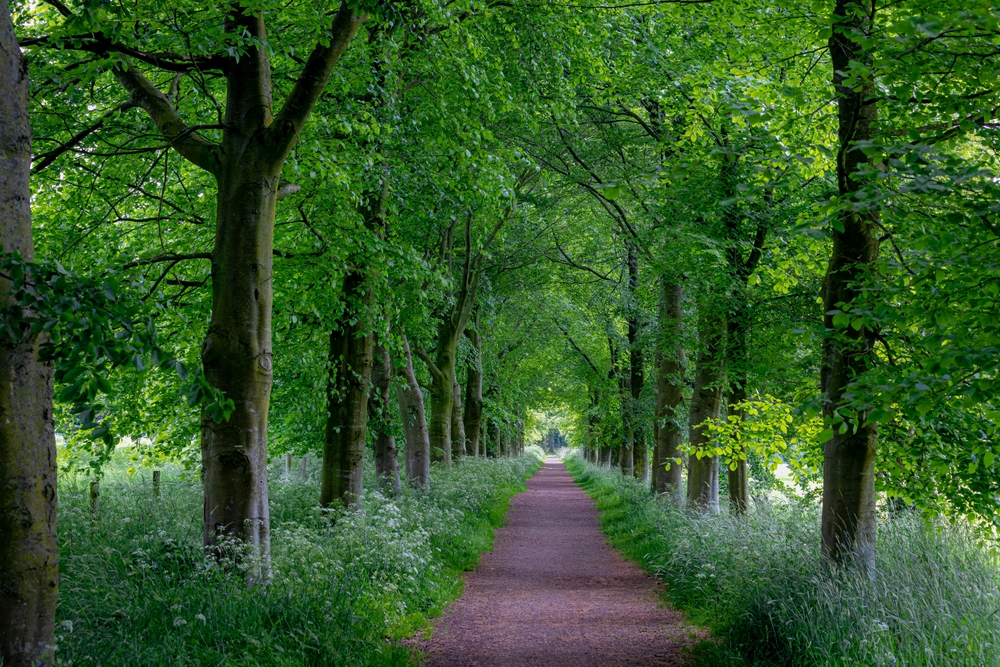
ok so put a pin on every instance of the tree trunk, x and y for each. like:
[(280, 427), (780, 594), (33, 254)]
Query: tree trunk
[(670, 391), (848, 522), (29, 556), (494, 432), (635, 442), (380, 418), (739, 482), (624, 450), (474, 393), (411, 408), (706, 402), (442, 391), (350, 369), (457, 425)]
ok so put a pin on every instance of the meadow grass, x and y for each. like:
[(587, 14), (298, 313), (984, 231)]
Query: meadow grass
[(137, 588), (759, 584)]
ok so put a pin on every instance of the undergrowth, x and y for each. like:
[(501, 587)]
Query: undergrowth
[(757, 581), (137, 589)]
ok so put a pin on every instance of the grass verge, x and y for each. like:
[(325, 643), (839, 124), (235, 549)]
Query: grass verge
[(756, 582), (137, 588)]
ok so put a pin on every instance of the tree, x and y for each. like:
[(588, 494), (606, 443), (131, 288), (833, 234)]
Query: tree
[(29, 557), (849, 453)]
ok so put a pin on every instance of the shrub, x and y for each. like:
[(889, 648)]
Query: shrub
[(137, 588), (758, 581)]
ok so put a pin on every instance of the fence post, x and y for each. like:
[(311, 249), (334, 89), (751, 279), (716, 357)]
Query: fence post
[(95, 494)]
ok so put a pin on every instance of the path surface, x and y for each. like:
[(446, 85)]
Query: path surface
[(552, 593)]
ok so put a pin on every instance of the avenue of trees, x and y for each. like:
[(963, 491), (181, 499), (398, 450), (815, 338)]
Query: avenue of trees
[(714, 236)]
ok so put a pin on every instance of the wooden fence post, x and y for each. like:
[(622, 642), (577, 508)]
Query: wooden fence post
[(95, 494)]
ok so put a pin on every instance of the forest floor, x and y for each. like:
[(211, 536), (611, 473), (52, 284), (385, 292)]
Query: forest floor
[(553, 593)]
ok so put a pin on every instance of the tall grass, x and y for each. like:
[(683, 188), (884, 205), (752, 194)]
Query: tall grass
[(137, 588), (757, 582)]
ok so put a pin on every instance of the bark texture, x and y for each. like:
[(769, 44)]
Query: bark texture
[(848, 521), (706, 403), (670, 392), (29, 557), (380, 418), (411, 408)]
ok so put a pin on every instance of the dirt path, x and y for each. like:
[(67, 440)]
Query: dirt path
[(552, 593)]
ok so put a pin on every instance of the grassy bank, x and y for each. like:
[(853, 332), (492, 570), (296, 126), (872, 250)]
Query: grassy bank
[(137, 589), (756, 582)]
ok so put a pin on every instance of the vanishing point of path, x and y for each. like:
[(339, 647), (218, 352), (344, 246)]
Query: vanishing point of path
[(552, 593)]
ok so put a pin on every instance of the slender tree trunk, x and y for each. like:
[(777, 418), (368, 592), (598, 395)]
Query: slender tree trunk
[(849, 526), (624, 450), (670, 391), (637, 379), (380, 418), (739, 482), (29, 556), (411, 408), (350, 368), (474, 393), (457, 425), (706, 403), (494, 432)]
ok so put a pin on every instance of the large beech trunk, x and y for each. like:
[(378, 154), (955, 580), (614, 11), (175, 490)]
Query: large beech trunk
[(474, 394), (236, 353), (380, 418), (848, 522), (29, 556), (350, 368), (457, 425), (411, 409), (670, 391), (706, 403)]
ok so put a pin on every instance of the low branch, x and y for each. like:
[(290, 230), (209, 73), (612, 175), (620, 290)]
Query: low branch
[(431, 366)]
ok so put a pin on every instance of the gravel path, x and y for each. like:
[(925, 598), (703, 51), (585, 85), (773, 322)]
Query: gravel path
[(552, 593)]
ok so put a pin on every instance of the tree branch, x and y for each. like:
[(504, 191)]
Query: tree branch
[(581, 267), (181, 138), (426, 358), (314, 75), (168, 257), (45, 159)]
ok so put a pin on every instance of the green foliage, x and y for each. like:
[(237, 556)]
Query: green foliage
[(90, 328), (758, 581), (138, 589)]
